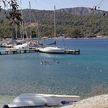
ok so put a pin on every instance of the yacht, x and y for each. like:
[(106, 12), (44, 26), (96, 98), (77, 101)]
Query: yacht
[(52, 50)]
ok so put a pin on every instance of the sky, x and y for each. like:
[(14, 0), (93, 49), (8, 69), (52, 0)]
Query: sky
[(49, 4)]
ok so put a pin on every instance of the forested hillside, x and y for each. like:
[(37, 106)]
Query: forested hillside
[(70, 22)]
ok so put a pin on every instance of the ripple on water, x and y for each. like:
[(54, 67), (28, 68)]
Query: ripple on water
[(63, 74)]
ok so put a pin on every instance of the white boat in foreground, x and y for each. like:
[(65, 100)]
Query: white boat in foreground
[(42, 100), (52, 50)]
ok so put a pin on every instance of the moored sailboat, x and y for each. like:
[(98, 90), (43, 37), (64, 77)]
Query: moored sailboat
[(52, 49)]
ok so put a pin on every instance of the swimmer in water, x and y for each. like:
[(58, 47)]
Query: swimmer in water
[(44, 62)]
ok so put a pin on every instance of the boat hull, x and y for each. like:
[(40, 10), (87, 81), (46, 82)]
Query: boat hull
[(42, 100), (52, 50)]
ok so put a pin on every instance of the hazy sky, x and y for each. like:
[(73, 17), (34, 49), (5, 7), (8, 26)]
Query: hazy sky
[(49, 4)]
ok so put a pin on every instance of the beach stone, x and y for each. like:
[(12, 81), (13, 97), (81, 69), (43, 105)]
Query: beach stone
[(93, 102)]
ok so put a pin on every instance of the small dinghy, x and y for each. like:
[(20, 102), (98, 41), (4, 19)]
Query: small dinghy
[(42, 100)]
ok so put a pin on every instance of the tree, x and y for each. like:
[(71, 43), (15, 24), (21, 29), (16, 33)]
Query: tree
[(76, 33), (13, 15)]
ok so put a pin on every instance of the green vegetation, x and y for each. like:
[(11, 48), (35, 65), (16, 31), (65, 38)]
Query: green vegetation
[(68, 24), (5, 100), (5, 29)]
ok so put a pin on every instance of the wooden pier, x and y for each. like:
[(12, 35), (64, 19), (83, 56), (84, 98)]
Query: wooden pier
[(74, 52), (11, 51), (17, 51)]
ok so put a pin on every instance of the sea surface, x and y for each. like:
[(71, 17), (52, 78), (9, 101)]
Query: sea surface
[(60, 74)]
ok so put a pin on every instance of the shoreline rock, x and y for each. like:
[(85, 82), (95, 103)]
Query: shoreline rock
[(92, 102)]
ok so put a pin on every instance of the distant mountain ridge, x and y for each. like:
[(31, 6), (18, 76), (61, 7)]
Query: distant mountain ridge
[(41, 15), (77, 11), (82, 11), (70, 21)]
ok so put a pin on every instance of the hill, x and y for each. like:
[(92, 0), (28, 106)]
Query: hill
[(72, 22), (83, 11), (40, 15)]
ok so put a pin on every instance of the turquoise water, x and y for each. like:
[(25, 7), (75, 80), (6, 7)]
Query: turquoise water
[(62, 74)]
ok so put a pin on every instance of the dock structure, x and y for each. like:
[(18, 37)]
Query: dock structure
[(17, 51), (74, 52), (11, 51)]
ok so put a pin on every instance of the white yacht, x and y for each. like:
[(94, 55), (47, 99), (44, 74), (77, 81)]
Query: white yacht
[(52, 50)]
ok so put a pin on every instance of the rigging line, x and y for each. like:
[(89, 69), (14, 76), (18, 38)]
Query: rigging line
[(23, 30), (33, 16), (100, 3), (54, 21), (30, 17), (36, 1), (20, 1), (36, 21)]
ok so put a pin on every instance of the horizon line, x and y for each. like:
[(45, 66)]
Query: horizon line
[(59, 8)]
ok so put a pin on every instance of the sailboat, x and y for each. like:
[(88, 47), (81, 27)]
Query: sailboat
[(52, 49)]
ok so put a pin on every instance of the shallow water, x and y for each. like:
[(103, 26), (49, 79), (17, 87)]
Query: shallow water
[(61, 74)]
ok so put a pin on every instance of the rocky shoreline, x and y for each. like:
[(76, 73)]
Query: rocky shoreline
[(100, 101), (92, 102)]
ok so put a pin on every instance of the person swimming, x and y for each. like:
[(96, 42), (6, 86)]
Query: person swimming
[(44, 62)]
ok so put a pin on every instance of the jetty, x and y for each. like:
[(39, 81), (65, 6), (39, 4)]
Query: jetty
[(11, 51)]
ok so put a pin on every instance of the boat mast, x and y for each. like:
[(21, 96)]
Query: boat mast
[(0, 5), (22, 24), (22, 27), (16, 31), (54, 21), (30, 17)]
